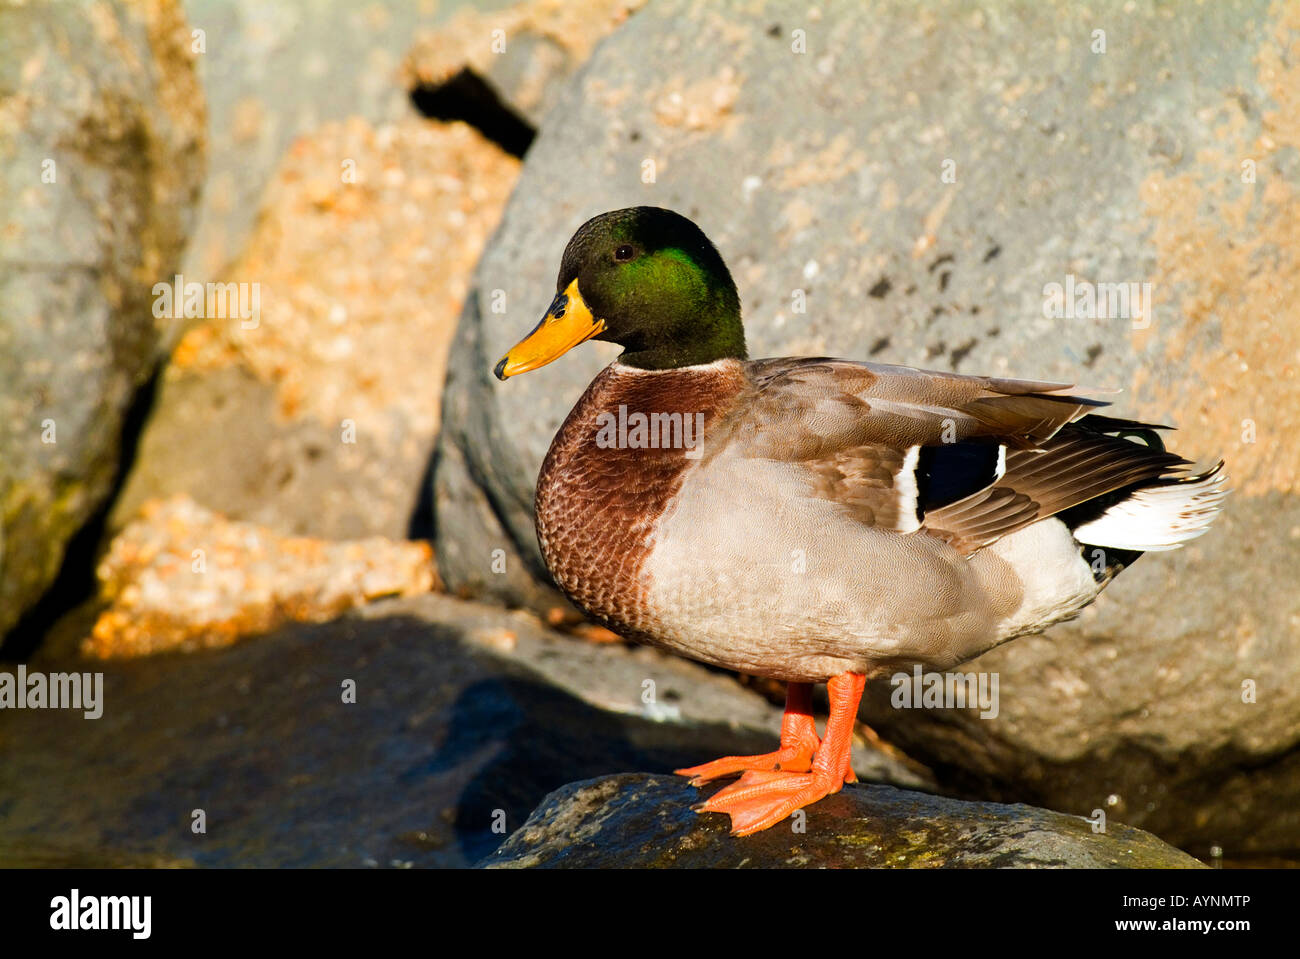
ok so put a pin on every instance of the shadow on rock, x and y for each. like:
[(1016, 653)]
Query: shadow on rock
[(524, 739), (259, 744)]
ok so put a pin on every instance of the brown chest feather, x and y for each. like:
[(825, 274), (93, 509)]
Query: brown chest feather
[(598, 502)]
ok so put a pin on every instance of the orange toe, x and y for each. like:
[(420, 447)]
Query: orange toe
[(793, 759), (767, 804), (751, 786), (765, 795), (799, 743)]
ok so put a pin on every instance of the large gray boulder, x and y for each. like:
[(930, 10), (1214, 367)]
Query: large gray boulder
[(101, 154), (923, 175)]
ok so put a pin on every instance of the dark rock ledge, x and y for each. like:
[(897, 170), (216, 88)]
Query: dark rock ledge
[(640, 820)]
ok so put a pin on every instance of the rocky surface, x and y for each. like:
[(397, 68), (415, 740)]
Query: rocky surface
[(465, 717), (181, 578), (101, 158), (522, 53), (275, 70), (371, 221), (919, 176), (944, 166), (362, 259), (641, 821)]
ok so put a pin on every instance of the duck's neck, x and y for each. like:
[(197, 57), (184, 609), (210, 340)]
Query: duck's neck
[(716, 334)]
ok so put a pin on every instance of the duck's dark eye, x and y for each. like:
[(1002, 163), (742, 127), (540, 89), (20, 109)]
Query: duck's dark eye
[(624, 253)]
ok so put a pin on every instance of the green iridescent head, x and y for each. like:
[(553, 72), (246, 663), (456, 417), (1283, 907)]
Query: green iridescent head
[(647, 279)]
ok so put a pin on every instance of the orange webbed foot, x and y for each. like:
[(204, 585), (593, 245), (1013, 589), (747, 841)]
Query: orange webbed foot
[(759, 800), (799, 743), (764, 795)]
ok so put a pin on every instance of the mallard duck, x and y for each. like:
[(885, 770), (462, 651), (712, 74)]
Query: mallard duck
[(814, 519)]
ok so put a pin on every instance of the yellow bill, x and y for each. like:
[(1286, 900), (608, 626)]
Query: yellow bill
[(567, 323)]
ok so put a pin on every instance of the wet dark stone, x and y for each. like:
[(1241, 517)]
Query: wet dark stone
[(638, 820)]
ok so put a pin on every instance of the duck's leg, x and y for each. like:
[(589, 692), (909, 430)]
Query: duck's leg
[(798, 743), (762, 799)]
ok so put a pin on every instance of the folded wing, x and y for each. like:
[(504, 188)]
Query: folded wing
[(968, 459)]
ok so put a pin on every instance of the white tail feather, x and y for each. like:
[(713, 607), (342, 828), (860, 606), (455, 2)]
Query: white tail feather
[(1158, 518)]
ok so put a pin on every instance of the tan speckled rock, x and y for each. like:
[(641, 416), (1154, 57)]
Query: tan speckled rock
[(181, 577), (320, 419)]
